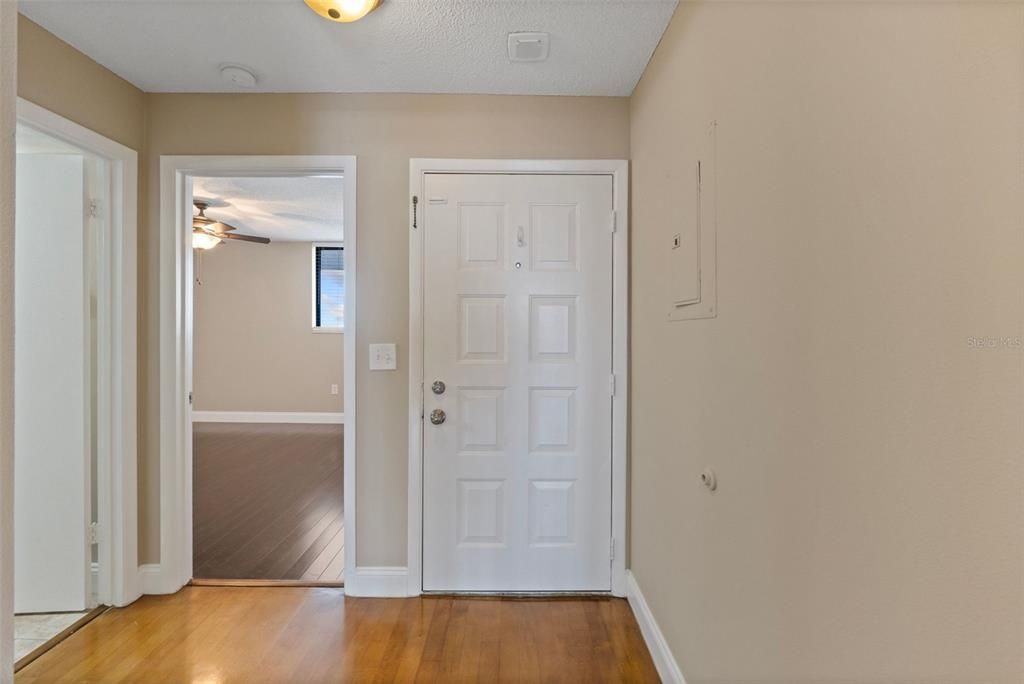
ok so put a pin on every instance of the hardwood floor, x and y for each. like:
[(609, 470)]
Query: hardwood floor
[(267, 502), (285, 635)]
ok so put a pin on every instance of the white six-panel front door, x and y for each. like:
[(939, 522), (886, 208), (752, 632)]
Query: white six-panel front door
[(518, 327)]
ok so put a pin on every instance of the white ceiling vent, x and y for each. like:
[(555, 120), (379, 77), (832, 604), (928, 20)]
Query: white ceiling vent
[(528, 47)]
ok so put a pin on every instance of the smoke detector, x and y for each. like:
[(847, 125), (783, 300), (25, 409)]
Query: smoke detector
[(528, 46), (238, 76)]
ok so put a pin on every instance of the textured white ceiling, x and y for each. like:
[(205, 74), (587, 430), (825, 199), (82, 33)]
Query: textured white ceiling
[(598, 47), (284, 209)]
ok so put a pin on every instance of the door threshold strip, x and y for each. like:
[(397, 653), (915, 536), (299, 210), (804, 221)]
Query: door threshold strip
[(60, 636), (521, 595), (265, 583)]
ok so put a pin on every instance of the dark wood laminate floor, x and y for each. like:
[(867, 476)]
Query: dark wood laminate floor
[(267, 502), (313, 636)]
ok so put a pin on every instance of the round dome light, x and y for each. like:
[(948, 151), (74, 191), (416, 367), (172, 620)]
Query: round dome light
[(343, 11)]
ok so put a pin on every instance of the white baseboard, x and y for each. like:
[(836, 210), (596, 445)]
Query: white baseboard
[(151, 579), (668, 668), (379, 582), (267, 417)]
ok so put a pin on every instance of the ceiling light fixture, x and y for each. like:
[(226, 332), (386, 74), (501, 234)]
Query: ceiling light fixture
[(343, 11), (203, 240)]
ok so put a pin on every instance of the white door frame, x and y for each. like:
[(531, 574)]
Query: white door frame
[(176, 172), (117, 460), (619, 171)]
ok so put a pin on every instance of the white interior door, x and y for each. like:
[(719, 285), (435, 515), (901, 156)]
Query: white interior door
[(51, 441), (518, 327)]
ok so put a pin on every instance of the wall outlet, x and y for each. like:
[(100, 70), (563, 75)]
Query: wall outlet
[(334, 390), (382, 357)]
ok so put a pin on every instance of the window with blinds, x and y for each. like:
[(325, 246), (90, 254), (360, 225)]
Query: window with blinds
[(329, 287)]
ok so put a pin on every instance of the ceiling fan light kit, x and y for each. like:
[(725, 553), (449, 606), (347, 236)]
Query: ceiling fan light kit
[(207, 233), (343, 11), (203, 240)]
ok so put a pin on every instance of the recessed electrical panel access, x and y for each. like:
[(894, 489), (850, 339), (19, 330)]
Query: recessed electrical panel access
[(693, 243)]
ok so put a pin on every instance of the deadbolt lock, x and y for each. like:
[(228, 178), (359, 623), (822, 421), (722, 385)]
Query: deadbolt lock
[(438, 387)]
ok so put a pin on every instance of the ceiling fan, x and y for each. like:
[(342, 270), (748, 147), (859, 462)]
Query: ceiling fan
[(207, 233)]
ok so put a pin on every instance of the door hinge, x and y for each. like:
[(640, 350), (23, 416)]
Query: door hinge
[(189, 398), (94, 533), (611, 549), (615, 221), (93, 209), (611, 385), (415, 201)]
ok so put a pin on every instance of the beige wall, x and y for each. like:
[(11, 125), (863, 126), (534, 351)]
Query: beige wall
[(56, 76), (254, 348), (867, 525), (384, 131), (8, 90)]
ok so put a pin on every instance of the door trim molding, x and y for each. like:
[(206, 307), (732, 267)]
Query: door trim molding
[(619, 171), (377, 582), (151, 579), (176, 172), (116, 434)]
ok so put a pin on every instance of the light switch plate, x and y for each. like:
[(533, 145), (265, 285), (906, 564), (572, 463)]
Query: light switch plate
[(382, 357)]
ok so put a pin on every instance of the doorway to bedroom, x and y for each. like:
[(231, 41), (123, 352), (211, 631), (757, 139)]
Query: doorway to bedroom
[(268, 366)]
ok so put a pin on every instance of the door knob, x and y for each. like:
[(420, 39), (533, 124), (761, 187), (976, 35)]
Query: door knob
[(438, 387), (437, 416)]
